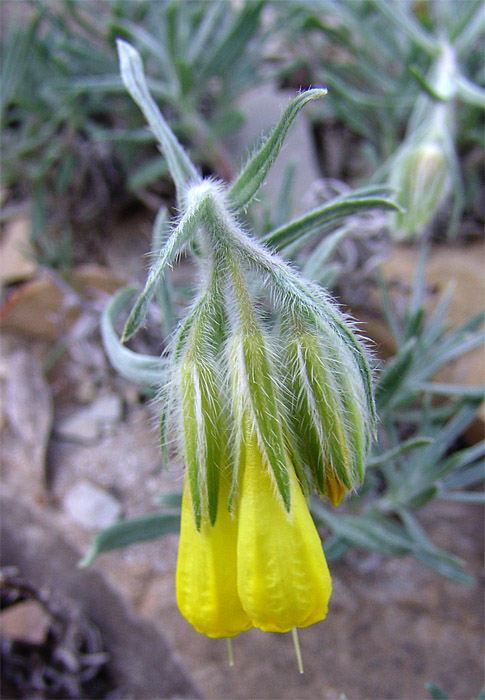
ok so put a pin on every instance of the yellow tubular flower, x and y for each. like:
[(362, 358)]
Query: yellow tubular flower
[(206, 571), (282, 576)]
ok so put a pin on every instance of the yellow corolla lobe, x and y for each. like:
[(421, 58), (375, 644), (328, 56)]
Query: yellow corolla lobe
[(282, 576)]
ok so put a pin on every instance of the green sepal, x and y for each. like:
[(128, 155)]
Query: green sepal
[(127, 532), (331, 316), (323, 403), (312, 303), (190, 439), (265, 409), (211, 410), (202, 436), (204, 431), (254, 174)]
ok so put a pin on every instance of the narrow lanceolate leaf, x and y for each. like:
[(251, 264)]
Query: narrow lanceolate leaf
[(256, 170), (164, 291), (181, 167), (370, 532), (136, 367), (406, 446), (470, 93), (313, 221), (461, 390), (263, 402), (229, 50), (126, 532), (174, 244), (211, 414), (395, 375)]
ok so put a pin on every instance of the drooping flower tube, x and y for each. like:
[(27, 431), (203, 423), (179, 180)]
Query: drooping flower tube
[(282, 576), (206, 578), (261, 567)]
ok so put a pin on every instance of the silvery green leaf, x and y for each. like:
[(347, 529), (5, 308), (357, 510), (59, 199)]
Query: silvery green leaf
[(172, 247), (446, 436), (164, 291), (144, 369), (392, 321), (181, 168), (254, 173), (312, 269), (436, 692), (425, 85), (127, 532), (370, 532), (229, 51), (420, 498), (313, 221), (335, 547), (469, 392), (462, 496), (470, 93), (402, 448), (445, 564), (202, 38), (397, 14), (465, 467), (434, 326), (395, 374), (173, 499)]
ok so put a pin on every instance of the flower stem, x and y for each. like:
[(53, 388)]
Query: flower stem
[(230, 655), (296, 644)]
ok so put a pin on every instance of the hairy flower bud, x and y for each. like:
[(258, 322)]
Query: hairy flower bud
[(423, 179)]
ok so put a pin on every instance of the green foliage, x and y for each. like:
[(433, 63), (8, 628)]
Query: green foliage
[(438, 694), (394, 66), (73, 140)]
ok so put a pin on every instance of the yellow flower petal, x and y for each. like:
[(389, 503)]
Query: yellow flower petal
[(282, 576), (206, 572)]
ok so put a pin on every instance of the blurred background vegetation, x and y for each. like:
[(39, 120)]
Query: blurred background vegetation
[(402, 122)]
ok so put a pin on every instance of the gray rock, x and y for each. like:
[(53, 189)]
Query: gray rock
[(88, 424), (91, 506)]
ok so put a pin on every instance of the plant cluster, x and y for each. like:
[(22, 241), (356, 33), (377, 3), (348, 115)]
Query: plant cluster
[(407, 467)]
